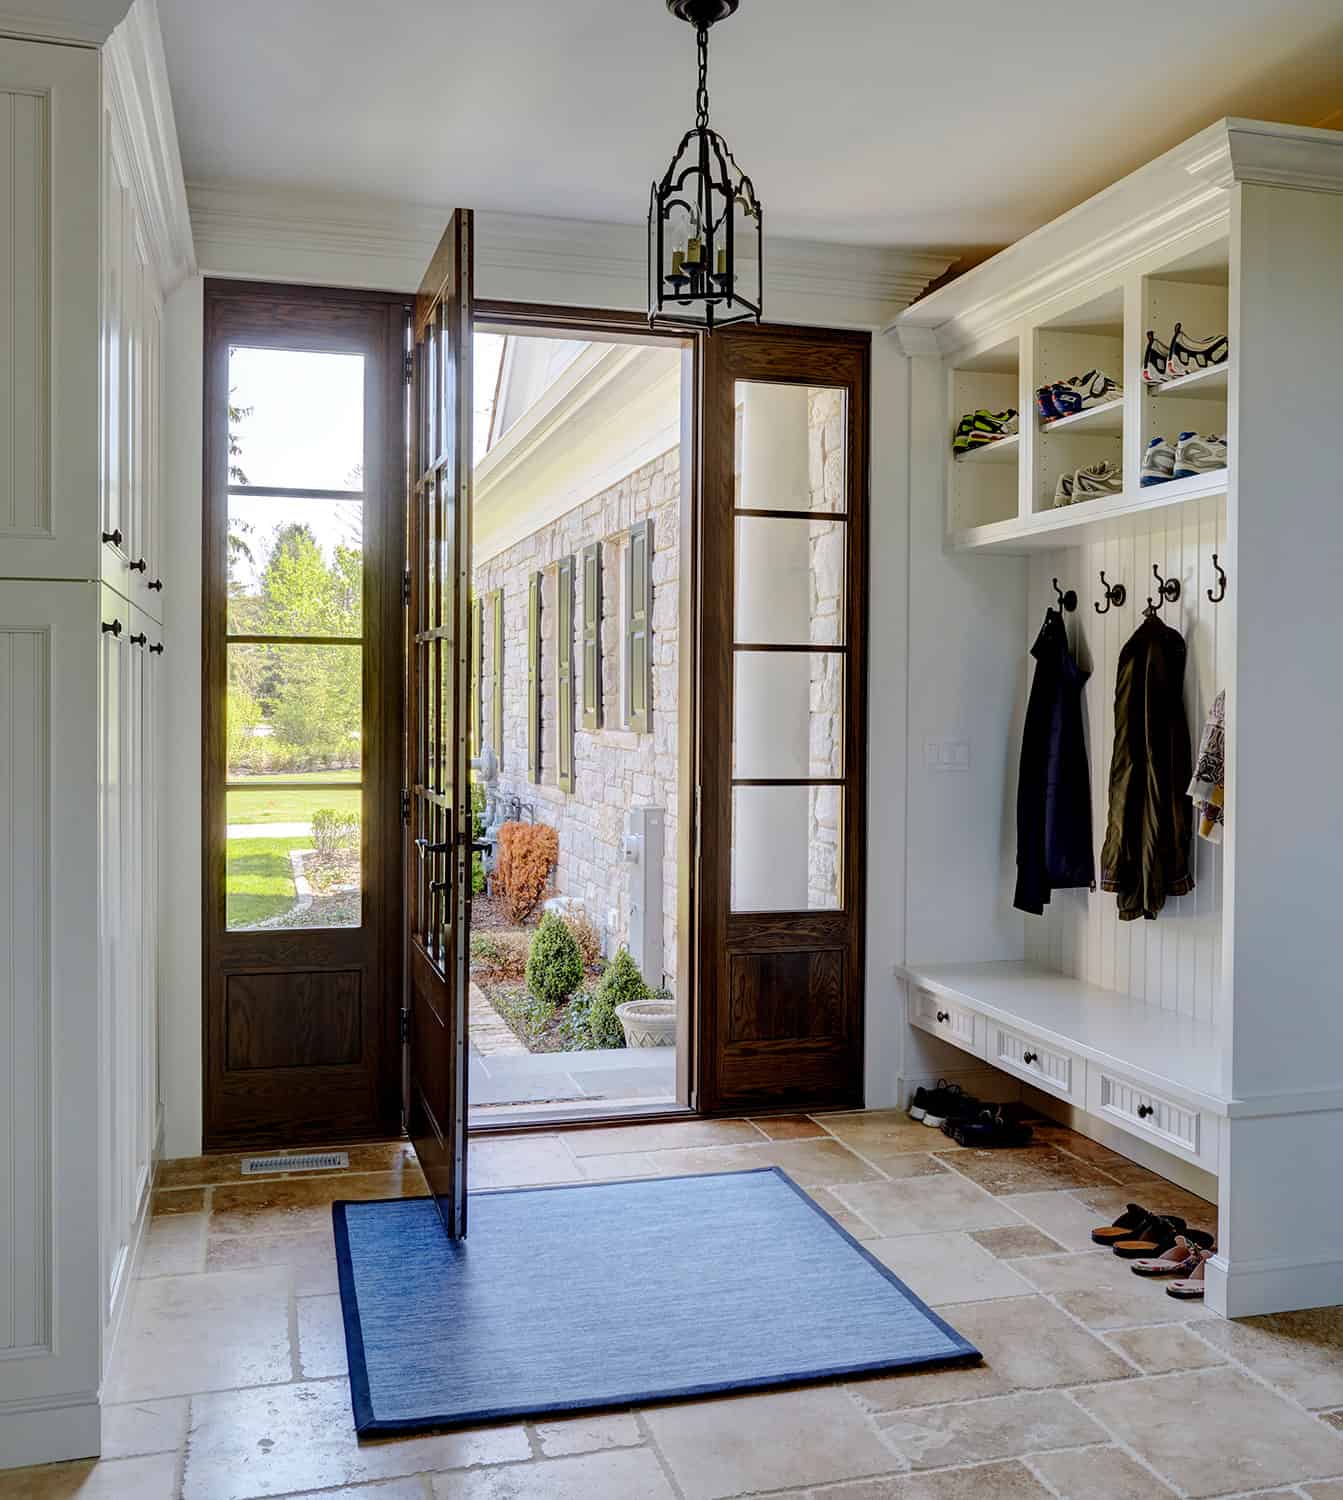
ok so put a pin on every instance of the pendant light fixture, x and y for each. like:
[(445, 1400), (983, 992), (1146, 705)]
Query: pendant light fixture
[(705, 223)]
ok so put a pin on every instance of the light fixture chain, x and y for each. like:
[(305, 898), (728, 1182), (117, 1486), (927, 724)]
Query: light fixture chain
[(702, 94)]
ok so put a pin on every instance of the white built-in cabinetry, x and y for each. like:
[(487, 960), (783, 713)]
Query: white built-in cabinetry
[(1207, 1043), (83, 272)]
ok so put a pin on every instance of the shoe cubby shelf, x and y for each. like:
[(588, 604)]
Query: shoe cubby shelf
[(1000, 451), (1202, 385), (1105, 420)]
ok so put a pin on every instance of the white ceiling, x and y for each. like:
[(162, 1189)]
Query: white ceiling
[(958, 126)]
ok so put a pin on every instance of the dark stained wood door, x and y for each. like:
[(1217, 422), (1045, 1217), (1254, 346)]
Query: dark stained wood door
[(438, 846), (303, 543), (782, 735)]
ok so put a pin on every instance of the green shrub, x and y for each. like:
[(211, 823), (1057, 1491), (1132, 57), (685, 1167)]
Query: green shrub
[(526, 1016), (334, 833), (622, 981), (575, 1033), (554, 964), (604, 1028)]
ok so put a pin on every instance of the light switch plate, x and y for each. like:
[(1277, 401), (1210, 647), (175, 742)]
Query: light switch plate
[(946, 755)]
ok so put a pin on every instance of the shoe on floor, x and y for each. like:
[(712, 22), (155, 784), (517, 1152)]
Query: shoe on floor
[(1128, 1223), (1158, 463), (1198, 455), (1190, 1288), (1157, 1236), (934, 1100), (991, 1128), (1188, 354), (1179, 1260), (955, 1104)]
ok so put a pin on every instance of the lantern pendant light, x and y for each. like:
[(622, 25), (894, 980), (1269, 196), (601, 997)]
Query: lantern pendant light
[(705, 223)]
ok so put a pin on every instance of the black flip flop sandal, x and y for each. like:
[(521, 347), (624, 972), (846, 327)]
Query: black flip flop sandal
[(1124, 1227)]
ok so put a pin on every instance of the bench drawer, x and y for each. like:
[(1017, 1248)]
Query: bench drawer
[(1172, 1126), (1046, 1067), (943, 1019)]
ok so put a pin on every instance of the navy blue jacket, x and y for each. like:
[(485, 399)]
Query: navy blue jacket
[(1054, 787)]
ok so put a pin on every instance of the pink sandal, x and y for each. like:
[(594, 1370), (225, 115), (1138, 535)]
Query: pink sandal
[(1190, 1287), (1179, 1260)]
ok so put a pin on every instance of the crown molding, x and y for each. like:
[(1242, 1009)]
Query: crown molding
[(89, 28), (135, 73), (1186, 190), (243, 230)]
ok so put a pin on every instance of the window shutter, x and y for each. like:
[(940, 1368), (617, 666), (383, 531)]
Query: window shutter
[(639, 628), (477, 638), (497, 676), (534, 677), (564, 676), (592, 636)]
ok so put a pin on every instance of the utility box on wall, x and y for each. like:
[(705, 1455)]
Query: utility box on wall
[(644, 844)]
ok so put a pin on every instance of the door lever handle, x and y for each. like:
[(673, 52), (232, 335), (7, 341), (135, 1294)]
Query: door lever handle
[(481, 846), (425, 847)]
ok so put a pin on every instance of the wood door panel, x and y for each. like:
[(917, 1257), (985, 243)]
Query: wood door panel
[(287, 1020), (793, 996)]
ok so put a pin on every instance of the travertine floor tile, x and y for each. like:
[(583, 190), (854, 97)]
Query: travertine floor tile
[(1158, 1351), (884, 1132), (768, 1442), (821, 1163), (126, 1479), (1027, 1344), (309, 1256), (392, 1489), (1009, 1481), (588, 1433), (177, 1201), (788, 1127), (1101, 1290), (933, 1437), (1060, 1216), (617, 1165), (521, 1161), (269, 1441), (625, 1474), (1331, 1489), (290, 1205), (1334, 1418), (664, 1136), (202, 1333), (174, 1245), (1160, 1197), (899, 1165), (1049, 1134), (1034, 1169), (683, 1161), (141, 1427), (859, 1228), (1301, 1353), (949, 1268), (925, 1205), (321, 1337), (1097, 1474), (1015, 1243), (1218, 1433)]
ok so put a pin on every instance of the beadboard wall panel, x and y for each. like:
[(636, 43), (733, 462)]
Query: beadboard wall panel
[(25, 312), (25, 993), (1176, 961)]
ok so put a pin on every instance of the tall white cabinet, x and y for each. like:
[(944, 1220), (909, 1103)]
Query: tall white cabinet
[(1207, 1043), (90, 241)]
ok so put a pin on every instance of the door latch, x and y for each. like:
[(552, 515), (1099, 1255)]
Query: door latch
[(405, 804), (405, 1027)]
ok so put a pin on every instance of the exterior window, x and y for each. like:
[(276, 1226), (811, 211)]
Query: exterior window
[(564, 676), (592, 636), (493, 674), (639, 628), (534, 677), (476, 645)]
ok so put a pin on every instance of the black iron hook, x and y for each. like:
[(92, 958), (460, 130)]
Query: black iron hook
[(1217, 597), (1115, 595), (1168, 589), (1067, 601)]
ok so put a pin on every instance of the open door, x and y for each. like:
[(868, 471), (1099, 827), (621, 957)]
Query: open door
[(437, 803)]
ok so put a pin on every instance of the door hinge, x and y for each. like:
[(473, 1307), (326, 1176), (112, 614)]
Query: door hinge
[(405, 589), (405, 1027), (408, 365), (405, 804)]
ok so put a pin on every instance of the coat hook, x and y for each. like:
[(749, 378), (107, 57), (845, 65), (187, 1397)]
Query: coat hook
[(1168, 590), (1217, 597), (1067, 601), (1115, 595)]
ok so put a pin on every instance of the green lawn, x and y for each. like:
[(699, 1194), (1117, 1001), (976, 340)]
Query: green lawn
[(259, 880), (293, 805)]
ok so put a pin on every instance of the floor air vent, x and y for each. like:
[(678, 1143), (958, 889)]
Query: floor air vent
[(316, 1161)]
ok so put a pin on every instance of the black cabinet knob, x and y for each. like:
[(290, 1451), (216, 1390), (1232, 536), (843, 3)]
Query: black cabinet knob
[(114, 628), (138, 640), (1144, 1110), (157, 649), (113, 536), (943, 1016), (1030, 1057), (156, 584), (139, 566)]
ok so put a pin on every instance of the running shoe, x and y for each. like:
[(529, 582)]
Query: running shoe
[(1198, 455), (1155, 360), (1063, 490), (1097, 480), (1082, 392), (979, 428), (1190, 354), (1045, 405), (1158, 463)]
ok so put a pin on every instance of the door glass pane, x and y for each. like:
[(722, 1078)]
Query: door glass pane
[(786, 853), (789, 581), (787, 714), (294, 711), (296, 419), (791, 447), (293, 858), (296, 566)]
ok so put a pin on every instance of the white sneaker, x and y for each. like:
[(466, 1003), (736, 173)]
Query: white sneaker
[(1082, 392), (1189, 354), (1155, 360), (1198, 455), (1063, 490), (1158, 463), (1100, 479)]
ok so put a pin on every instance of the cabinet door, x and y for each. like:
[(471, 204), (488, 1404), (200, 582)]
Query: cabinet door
[(147, 588), (117, 366)]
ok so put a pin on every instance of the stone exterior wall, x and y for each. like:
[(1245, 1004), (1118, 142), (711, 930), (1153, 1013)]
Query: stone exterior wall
[(614, 768), (827, 454)]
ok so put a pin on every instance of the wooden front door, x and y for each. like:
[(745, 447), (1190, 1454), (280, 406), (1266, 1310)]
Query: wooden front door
[(782, 738), (438, 803), (301, 695)]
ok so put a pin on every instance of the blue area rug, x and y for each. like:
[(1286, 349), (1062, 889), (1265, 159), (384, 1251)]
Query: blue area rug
[(614, 1294)]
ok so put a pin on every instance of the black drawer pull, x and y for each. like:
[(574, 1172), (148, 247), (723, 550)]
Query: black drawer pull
[(138, 640), (156, 584), (1144, 1110), (139, 566), (156, 650), (113, 629), (943, 1015), (113, 536), (1030, 1057)]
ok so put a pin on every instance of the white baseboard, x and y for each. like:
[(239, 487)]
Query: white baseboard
[(50, 1430), (1241, 1289)]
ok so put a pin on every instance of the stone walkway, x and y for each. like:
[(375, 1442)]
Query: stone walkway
[(490, 1034), (269, 830)]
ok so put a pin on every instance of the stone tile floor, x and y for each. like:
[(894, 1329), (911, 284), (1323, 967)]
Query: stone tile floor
[(229, 1382)]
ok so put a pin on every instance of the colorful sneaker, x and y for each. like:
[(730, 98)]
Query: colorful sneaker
[(1198, 455), (1082, 392), (1188, 354), (979, 428), (1158, 463), (1045, 405), (1100, 479)]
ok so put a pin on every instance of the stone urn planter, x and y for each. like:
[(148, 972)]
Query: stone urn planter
[(648, 1023)]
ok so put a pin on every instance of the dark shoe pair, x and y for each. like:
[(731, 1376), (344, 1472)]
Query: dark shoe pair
[(990, 1129), (948, 1101), (1138, 1234)]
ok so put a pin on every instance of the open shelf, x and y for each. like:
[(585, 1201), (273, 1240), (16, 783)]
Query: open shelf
[(1000, 451), (1158, 1047), (1089, 520), (1105, 420), (1202, 385)]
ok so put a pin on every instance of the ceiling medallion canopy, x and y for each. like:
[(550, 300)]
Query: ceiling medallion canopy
[(705, 223)]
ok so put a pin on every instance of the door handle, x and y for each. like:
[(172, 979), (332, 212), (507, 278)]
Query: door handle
[(481, 846), (425, 847)]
